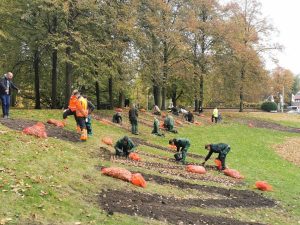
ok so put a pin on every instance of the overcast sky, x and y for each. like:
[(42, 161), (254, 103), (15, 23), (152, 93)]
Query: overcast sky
[(285, 16)]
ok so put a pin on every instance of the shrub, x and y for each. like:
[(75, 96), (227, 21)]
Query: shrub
[(269, 106)]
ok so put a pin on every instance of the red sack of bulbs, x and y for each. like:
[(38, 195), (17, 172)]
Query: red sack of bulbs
[(196, 169), (38, 130)]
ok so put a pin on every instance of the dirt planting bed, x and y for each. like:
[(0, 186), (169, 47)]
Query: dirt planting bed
[(52, 131), (159, 207), (179, 170), (235, 198), (139, 141), (268, 125), (164, 168)]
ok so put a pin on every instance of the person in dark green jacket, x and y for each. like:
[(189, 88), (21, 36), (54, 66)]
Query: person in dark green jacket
[(221, 148), (169, 124), (124, 146), (133, 118), (182, 145), (156, 129)]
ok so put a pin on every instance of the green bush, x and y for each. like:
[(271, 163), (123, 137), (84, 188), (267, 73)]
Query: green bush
[(269, 106)]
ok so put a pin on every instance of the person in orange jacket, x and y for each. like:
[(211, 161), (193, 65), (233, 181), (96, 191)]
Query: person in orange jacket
[(71, 110), (81, 114)]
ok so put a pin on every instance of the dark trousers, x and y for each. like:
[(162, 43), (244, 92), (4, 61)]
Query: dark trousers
[(68, 112), (88, 124), (134, 125), (5, 100), (222, 156), (81, 122), (214, 118)]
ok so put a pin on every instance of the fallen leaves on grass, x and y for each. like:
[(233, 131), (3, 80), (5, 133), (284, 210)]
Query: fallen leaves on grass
[(5, 221), (289, 150)]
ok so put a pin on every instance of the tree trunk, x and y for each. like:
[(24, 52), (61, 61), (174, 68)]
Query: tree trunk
[(163, 96), (68, 77), (196, 104), (165, 75), (54, 80), (157, 95), (110, 92), (54, 70), (97, 94), (36, 65), (174, 95), (242, 89), (121, 99), (201, 91)]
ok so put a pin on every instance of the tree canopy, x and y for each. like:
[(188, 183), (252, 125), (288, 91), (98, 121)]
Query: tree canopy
[(196, 52)]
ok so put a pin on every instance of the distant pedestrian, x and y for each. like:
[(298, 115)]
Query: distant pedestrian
[(215, 115), (133, 118), (6, 86)]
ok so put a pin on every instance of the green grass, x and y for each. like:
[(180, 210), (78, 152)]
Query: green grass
[(54, 181)]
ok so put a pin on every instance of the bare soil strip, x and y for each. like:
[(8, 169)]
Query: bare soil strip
[(52, 131), (268, 125), (158, 207)]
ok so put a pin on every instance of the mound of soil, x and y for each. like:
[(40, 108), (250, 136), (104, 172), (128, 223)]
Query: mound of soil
[(268, 125), (52, 131), (153, 206)]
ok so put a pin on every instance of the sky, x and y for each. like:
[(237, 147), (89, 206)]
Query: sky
[(285, 16)]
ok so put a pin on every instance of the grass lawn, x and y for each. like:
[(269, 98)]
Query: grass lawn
[(50, 181)]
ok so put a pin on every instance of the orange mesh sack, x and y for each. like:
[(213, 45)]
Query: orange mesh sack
[(118, 173), (119, 110), (57, 123), (38, 130), (138, 180), (233, 173), (107, 140), (178, 122), (196, 169), (134, 156), (263, 186), (197, 123), (173, 147), (218, 164)]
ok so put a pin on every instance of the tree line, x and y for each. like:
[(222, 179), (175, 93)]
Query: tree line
[(194, 52)]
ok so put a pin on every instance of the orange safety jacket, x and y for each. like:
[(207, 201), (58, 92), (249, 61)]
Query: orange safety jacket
[(72, 103), (81, 107)]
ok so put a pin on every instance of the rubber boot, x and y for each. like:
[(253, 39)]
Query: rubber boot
[(83, 136)]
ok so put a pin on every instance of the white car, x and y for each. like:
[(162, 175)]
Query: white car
[(293, 109)]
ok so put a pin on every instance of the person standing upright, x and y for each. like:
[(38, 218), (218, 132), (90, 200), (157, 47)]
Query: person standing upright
[(6, 86), (133, 115)]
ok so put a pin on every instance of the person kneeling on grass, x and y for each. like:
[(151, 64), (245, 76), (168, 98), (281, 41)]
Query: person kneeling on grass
[(156, 129), (221, 148), (124, 146), (182, 145), (117, 118), (169, 124)]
